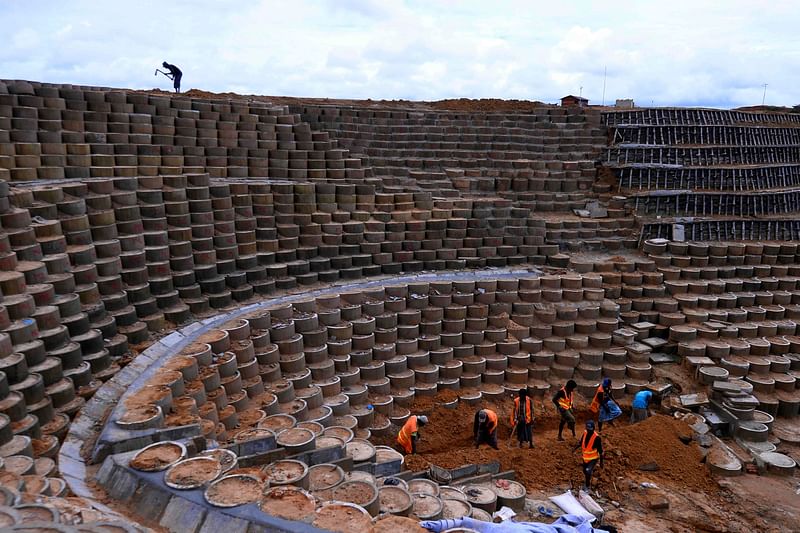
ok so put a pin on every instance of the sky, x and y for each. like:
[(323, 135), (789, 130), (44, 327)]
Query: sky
[(677, 52)]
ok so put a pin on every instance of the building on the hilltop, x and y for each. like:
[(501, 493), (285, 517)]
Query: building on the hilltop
[(624, 103), (571, 100)]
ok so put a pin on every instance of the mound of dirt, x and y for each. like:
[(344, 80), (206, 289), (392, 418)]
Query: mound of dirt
[(424, 404), (657, 440), (487, 104), (447, 442), (480, 105)]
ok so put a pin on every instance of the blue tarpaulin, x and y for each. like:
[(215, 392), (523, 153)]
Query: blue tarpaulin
[(564, 524)]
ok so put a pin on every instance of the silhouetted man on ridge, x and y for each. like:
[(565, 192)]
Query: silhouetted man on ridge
[(174, 74)]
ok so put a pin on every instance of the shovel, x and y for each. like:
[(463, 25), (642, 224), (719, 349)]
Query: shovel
[(513, 429)]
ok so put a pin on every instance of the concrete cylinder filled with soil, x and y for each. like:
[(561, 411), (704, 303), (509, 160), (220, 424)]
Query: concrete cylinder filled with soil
[(481, 497), (192, 473), (289, 503), (287, 472), (423, 486), (158, 456), (360, 493), (234, 490), (510, 494), (427, 507), (324, 476), (395, 500), (455, 508), (142, 417), (360, 450), (342, 517), (296, 440)]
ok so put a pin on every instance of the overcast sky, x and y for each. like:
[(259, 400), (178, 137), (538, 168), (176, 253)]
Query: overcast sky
[(677, 52)]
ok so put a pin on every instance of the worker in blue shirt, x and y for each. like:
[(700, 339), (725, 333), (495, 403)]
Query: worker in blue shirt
[(640, 404)]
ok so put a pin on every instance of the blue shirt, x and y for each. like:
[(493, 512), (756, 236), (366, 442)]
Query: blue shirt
[(642, 399)]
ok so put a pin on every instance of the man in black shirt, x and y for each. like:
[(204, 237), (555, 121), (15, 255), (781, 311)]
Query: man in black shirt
[(175, 75)]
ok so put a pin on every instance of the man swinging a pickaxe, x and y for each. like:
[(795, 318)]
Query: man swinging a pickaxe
[(174, 73)]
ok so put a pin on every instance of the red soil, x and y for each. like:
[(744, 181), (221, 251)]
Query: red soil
[(447, 442)]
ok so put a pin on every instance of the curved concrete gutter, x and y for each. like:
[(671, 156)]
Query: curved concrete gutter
[(91, 438)]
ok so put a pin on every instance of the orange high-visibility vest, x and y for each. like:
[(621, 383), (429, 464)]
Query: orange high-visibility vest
[(408, 429), (566, 401), (595, 407), (491, 420), (528, 411), (590, 453)]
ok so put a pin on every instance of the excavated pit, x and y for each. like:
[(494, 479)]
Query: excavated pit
[(184, 268)]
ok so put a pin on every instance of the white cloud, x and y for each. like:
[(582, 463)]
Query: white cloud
[(25, 38), (686, 52)]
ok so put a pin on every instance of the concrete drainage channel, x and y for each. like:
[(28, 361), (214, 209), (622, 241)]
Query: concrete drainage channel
[(95, 435)]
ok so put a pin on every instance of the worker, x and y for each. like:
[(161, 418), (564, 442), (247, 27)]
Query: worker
[(591, 446), (564, 403), (409, 434), (484, 429), (522, 418), (603, 404), (641, 402), (174, 74)]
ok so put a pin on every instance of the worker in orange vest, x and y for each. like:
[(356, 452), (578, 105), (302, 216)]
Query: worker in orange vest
[(409, 434), (591, 446), (563, 401), (603, 404), (484, 429), (522, 418)]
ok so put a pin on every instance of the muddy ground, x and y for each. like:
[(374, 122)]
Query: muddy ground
[(688, 498)]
